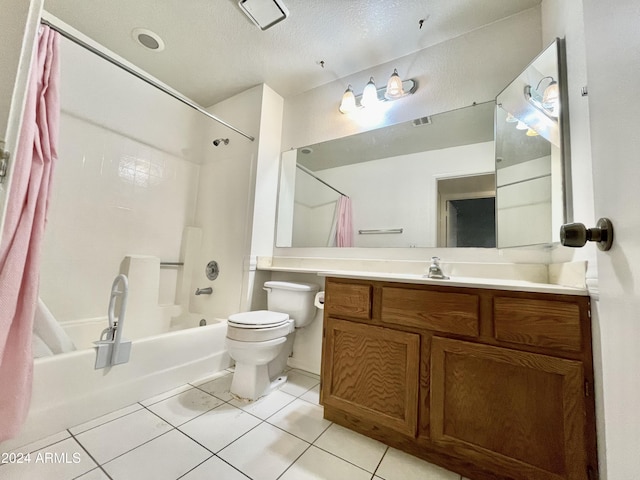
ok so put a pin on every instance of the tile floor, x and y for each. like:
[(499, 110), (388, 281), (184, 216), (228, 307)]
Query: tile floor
[(200, 432)]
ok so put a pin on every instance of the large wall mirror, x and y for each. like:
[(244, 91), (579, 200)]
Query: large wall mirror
[(490, 174), (396, 177), (532, 154)]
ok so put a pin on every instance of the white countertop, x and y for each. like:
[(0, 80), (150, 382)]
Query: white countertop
[(469, 282)]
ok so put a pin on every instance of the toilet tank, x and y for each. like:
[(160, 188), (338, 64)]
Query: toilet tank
[(296, 299)]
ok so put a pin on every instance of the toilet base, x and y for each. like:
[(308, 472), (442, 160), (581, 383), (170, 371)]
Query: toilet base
[(251, 382)]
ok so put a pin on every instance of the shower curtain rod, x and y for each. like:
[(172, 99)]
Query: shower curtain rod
[(309, 172), (142, 77)]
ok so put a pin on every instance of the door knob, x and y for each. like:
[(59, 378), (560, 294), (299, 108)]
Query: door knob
[(577, 235)]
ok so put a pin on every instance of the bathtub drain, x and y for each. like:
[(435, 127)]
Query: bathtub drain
[(203, 322)]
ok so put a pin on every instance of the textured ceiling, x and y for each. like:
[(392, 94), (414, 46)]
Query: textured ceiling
[(213, 51)]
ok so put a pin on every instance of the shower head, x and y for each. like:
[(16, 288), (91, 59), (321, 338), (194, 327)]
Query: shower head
[(218, 141)]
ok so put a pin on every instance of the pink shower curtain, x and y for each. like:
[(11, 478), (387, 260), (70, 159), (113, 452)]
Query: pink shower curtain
[(24, 227), (344, 228)]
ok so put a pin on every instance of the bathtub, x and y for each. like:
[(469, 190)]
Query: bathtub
[(67, 390)]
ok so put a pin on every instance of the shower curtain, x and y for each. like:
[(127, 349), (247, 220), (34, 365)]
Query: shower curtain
[(35, 156), (344, 228)]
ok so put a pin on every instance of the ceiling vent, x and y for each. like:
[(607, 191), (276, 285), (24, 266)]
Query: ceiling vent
[(264, 13)]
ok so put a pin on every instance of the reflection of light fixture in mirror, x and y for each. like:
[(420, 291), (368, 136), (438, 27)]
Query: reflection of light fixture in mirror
[(549, 101), (511, 119), (522, 126), (532, 133), (394, 86), (371, 95), (348, 103), (264, 13)]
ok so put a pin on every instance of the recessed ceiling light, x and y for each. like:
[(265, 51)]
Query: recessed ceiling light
[(148, 39)]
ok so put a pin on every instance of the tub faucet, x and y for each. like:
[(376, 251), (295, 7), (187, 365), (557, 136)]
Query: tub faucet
[(435, 271), (204, 291)]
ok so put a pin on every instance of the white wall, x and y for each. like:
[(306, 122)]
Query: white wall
[(401, 192), (237, 200), (125, 183), (17, 36), (473, 67), (566, 19)]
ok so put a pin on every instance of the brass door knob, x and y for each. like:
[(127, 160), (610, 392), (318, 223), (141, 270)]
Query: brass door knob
[(577, 235)]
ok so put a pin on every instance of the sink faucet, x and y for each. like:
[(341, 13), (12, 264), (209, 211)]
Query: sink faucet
[(435, 271), (204, 291)]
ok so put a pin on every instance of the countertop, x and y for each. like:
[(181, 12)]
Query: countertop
[(469, 282)]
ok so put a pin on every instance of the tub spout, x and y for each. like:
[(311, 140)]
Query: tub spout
[(204, 291)]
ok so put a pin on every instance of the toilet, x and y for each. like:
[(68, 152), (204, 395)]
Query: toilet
[(261, 341)]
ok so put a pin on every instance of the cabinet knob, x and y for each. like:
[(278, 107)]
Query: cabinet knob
[(577, 235)]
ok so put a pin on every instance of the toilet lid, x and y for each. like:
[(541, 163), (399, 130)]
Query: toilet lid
[(258, 319)]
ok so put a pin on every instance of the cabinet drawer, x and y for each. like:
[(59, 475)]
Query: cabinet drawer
[(540, 323), (348, 300), (443, 312)]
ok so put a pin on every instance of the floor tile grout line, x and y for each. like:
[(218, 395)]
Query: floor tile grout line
[(294, 462), (187, 421), (196, 466), (108, 421), (292, 434), (349, 461), (37, 449), (138, 446), (222, 460), (90, 456), (170, 396), (380, 462)]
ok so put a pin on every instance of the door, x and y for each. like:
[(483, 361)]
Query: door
[(516, 412), (612, 45), (372, 373), (17, 35)]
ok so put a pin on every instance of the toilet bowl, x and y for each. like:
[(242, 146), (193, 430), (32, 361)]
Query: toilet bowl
[(261, 341)]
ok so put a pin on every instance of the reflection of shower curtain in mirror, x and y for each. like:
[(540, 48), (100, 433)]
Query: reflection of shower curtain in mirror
[(343, 223), (24, 227)]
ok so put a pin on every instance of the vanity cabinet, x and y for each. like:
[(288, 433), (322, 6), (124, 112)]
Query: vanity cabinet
[(489, 383)]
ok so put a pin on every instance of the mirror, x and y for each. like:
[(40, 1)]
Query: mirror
[(532, 156), (395, 177)]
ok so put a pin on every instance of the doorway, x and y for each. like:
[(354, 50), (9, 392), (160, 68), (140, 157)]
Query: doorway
[(466, 211)]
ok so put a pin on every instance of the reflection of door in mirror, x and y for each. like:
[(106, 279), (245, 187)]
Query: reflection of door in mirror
[(466, 211)]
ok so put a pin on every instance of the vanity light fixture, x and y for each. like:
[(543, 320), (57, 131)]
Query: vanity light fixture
[(369, 94), (264, 13), (396, 88), (348, 103)]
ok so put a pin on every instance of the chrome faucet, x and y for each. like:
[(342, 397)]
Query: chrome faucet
[(204, 291), (435, 271)]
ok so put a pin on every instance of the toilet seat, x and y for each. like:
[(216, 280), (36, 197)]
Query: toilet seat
[(258, 319), (259, 326)]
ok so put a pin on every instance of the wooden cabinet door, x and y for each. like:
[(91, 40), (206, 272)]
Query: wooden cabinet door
[(371, 373), (514, 412)]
